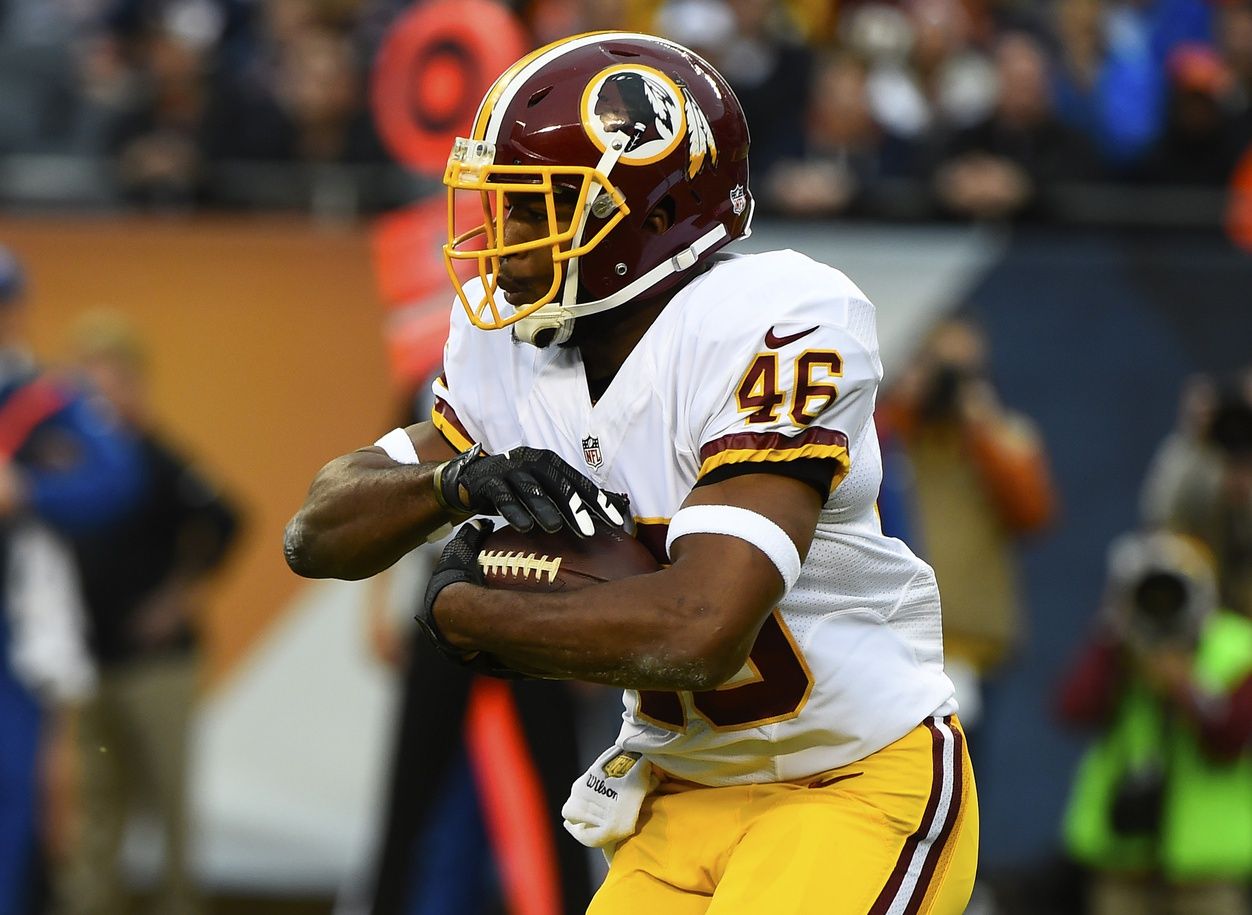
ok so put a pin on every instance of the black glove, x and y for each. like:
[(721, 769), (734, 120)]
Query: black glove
[(526, 486), (459, 563)]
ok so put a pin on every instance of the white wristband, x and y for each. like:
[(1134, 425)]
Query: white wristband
[(399, 447), (747, 525)]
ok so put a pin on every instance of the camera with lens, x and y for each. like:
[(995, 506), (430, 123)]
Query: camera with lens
[(1162, 588), (1161, 592), (1230, 428), (1158, 608), (1159, 611), (942, 396)]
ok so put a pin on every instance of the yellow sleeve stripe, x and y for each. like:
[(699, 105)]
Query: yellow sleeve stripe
[(446, 422), (752, 455), (761, 447)]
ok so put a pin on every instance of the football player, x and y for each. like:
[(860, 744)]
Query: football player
[(789, 741)]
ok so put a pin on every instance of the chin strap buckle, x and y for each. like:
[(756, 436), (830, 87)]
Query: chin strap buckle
[(550, 325), (684, 259)]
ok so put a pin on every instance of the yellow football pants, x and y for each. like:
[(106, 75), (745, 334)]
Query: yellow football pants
[(895, 833)]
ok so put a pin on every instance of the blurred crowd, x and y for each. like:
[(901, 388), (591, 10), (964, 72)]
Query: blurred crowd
[(1158, 809), (944, 108), (166, 90), (109, 537)]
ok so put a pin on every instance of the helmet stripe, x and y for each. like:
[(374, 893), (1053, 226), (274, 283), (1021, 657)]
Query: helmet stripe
[(491, 116), (489, 101)]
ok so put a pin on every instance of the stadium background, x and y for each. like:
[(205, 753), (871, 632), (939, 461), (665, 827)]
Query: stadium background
[(291, 302)]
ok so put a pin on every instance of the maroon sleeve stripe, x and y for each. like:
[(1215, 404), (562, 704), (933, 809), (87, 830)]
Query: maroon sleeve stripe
[(772, 441)]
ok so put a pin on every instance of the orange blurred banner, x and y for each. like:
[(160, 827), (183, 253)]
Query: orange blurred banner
[(436, 64), (413, 284)]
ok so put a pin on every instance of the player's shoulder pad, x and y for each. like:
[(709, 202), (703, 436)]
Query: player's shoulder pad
[(747, 295)]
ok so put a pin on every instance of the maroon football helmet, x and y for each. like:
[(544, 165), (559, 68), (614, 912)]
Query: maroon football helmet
[(627, 122)]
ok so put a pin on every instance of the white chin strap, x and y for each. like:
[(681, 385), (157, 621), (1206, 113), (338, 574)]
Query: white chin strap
[(560, 318), (555, 322)]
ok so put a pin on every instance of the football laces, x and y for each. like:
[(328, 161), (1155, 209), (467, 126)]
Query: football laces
[(514, 563)]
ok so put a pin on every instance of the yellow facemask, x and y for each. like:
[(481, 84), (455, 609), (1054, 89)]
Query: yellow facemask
[(471, 168)]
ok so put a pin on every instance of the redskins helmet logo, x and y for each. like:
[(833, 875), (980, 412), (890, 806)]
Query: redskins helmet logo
[(651, 112)]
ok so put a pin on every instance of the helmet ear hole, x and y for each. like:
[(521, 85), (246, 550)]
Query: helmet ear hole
[(662, 215)]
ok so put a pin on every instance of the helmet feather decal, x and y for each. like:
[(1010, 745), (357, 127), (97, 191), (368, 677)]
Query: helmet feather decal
[(701, 147), (660, 100)]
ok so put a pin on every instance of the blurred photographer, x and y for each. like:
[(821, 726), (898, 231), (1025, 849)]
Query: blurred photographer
[(1200, 482), (979, 483), (1161, 805)]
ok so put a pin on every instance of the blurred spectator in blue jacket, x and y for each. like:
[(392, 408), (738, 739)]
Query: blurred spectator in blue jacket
[(1112, 81), (66, 465)]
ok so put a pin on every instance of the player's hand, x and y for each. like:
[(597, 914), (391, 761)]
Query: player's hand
[(526, 486), (457, 564)]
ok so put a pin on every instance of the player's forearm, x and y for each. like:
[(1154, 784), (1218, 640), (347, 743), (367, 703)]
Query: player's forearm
[(363, 512), (645, 632)]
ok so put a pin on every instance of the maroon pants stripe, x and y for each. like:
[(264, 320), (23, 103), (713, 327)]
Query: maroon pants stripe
[(906, 888)]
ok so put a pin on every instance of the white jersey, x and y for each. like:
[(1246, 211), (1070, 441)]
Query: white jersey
[(765, 357)]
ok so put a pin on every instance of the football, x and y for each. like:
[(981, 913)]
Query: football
[(538, 561)]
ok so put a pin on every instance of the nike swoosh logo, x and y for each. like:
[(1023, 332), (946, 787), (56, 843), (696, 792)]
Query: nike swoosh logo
[(825, 783), (774, 342)]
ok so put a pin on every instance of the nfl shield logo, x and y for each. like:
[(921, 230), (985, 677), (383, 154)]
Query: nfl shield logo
[(738, 199), (592, 453)]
